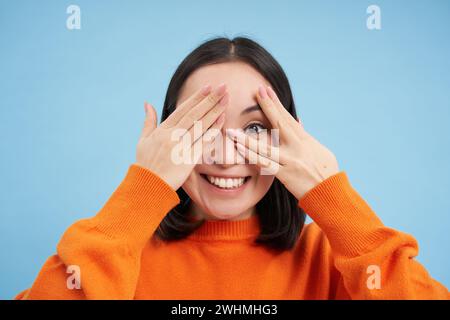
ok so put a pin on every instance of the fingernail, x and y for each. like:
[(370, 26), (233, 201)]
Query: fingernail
[(271, 93), (235, 132), (231, 132), (206, 90), (262, 92), (224, 100), (221, 89), (145, 107)]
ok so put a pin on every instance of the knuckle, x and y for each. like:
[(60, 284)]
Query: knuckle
[(189, 118), (218, 110), (212, 99), (264, 163)]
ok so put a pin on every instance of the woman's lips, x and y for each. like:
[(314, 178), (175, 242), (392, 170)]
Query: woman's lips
[(225, 185)]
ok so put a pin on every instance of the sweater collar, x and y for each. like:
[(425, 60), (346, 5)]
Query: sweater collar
[(227, 229)]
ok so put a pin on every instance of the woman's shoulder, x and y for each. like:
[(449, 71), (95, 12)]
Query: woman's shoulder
[(313, 239), (313, 252)]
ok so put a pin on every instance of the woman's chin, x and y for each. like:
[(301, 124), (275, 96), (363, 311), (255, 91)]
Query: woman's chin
[(224, 213)]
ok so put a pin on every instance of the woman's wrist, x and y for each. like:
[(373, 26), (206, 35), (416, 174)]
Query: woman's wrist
[(337, 208), (137, 206)]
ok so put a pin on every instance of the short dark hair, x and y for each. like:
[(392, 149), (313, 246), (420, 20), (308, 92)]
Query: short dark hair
[(281, 219)]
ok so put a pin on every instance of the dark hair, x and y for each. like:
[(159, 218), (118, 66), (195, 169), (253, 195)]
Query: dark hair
[(281, 219)]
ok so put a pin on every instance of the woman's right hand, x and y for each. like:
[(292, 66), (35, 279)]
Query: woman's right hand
[(154, 149)]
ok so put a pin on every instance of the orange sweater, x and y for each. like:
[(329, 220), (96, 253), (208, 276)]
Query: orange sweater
[(333, 259)]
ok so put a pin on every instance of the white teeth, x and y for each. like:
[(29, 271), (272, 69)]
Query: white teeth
[(226, 183)]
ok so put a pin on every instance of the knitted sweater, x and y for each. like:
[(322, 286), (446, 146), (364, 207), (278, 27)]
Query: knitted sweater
[(346, 253)]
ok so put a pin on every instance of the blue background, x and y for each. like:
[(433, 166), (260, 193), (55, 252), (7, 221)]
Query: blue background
[(71, 106)]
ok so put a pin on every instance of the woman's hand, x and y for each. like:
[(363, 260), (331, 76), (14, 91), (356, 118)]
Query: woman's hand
[(300, 162), (156, 144)]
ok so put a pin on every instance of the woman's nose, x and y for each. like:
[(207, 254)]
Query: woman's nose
[(225, 154)]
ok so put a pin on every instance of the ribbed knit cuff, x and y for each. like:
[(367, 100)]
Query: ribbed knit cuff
[(346, 219), (137, 206)]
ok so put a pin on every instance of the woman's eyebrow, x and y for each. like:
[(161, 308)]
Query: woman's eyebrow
[(256, 107)]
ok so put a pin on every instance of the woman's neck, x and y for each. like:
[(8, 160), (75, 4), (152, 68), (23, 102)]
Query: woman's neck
[(198, 214)]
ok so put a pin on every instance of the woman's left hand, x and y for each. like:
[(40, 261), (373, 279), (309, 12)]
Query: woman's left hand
[(300, 162)]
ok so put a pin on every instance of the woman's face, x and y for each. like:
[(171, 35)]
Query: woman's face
[(228, 189)]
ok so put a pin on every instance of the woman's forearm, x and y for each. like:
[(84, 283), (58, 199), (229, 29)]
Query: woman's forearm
[(374, 261), (105, 250)]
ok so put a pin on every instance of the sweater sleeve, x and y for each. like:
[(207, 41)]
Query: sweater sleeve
[(99, 257), (374, 261)]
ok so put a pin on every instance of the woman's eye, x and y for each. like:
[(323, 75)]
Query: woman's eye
[(254, 128)]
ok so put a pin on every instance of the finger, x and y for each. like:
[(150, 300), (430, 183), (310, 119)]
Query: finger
[(269, 166), (302, 128), (198, 112), (200, 127), (277, 103), (208, 139), (267, 107), (279, 106), (186, 105), (259, 146), (287, 120), (151, 120)]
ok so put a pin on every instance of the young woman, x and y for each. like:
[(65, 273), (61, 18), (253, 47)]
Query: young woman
[(222, 227)]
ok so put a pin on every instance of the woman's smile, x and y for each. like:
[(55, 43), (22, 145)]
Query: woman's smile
[(226, 185)]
